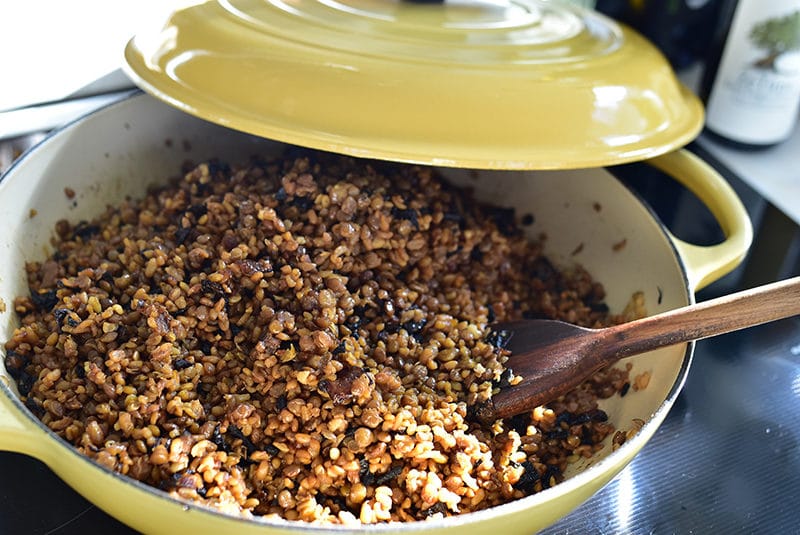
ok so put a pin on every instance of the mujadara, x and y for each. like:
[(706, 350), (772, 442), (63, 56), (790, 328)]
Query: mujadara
[(304, 337)]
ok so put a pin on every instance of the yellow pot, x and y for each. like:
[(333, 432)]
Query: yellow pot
[(121, 149)]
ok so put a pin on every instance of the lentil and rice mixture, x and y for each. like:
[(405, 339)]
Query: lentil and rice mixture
[(304, 337)]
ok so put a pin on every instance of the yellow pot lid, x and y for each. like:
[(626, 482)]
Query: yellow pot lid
[(489, 84)]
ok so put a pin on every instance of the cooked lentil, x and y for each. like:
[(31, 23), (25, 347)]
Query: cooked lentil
[(303, 337)]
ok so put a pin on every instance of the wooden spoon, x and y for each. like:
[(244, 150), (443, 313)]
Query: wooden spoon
[(554, 357)]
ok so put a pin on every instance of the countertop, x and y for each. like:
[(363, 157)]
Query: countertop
[(774, 172)]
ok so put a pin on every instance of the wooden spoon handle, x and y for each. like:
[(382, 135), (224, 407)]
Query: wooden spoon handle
[(716, 316)]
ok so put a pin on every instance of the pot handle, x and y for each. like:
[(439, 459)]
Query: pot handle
[(18, 432), (705, 264)]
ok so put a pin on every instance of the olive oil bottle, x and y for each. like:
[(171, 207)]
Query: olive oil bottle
[(751, 83)]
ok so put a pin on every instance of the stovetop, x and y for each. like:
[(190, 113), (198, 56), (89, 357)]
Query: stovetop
[(726, 460)]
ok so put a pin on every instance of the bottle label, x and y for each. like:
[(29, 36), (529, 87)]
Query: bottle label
[(756, 93)]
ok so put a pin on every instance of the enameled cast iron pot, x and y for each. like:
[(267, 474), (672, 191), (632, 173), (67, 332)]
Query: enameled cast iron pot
[(126, 146)]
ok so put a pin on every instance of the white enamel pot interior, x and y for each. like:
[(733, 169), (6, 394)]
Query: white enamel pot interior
[(123, 148)]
